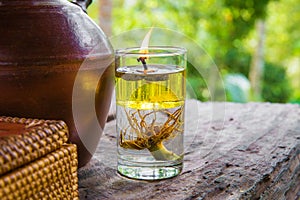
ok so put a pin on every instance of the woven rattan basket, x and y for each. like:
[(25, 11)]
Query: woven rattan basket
[(35, 161)]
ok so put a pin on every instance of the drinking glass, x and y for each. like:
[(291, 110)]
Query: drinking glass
[(150, 100)]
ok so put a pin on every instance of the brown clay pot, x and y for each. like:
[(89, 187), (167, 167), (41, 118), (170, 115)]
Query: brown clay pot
[(55, 63)]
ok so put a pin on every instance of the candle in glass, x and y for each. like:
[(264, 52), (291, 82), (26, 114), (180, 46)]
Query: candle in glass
[(150, 98)]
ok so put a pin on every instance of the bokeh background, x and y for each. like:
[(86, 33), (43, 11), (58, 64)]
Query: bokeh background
[(254, 43)]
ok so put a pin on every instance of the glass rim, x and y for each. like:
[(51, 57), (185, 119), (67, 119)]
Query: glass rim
[(165, 51)]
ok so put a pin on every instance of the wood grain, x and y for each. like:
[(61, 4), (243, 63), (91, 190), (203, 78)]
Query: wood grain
[(232, 151)]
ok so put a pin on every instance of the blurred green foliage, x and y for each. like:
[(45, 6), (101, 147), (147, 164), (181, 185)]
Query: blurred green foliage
[(237, 61), (276, 87), (225, 29), (198, 85), (237, 87)]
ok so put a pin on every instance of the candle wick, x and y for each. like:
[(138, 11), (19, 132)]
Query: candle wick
[(143, 61)]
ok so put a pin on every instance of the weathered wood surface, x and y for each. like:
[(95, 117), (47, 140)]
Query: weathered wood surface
[(232, 151)]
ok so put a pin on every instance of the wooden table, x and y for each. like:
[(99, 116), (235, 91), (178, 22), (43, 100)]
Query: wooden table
[(232, 151)]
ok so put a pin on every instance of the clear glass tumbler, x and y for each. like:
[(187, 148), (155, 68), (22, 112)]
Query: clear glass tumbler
[(150, 98)]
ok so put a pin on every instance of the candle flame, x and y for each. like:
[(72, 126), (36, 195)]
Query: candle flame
[(144, 50), (145, 43)]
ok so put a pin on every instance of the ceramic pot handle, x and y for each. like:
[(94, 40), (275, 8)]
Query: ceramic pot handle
[(82, 3)]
